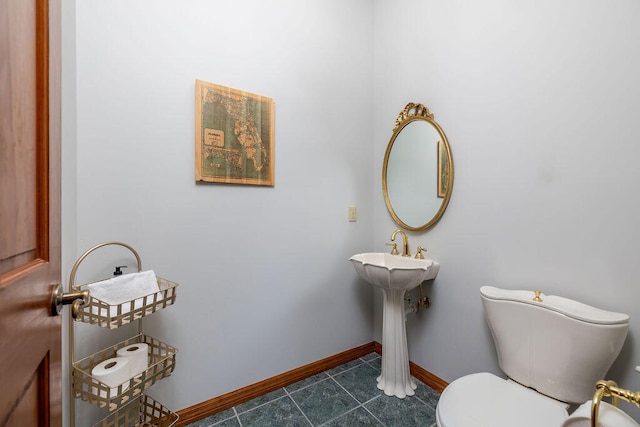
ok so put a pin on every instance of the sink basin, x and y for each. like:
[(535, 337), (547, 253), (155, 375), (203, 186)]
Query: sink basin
[(396, 275), (394, 271)]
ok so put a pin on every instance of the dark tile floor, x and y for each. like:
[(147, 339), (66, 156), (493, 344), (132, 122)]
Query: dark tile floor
[(343, 396)]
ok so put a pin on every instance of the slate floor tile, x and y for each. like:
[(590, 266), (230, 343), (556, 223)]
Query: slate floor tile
[(215, 419), (407, 412), (277, 413), (261, 400), (307, 382), (360, 382), (344, 396), (356, 418), (324, 401)]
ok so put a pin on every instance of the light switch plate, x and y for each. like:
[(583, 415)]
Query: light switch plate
[(353, 214)]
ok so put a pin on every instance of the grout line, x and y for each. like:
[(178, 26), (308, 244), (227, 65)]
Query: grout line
[(235, 411), (371, 413), (347, 391), (374, 415), (346, 370), (344, 413), (360, 405), (327, 376), (298, 406), (235, 415), (255, 407), (428, 405)]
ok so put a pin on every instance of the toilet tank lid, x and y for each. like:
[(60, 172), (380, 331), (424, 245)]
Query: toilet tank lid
[(570, 308)]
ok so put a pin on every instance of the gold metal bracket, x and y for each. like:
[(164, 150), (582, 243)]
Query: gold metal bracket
[(407, 297), (424, 300)]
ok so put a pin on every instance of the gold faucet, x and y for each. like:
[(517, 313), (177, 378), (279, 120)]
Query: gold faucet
[(419, 254), (405, 242)]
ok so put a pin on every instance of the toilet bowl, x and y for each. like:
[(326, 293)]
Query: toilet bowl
[(484, 399), (552, 351)]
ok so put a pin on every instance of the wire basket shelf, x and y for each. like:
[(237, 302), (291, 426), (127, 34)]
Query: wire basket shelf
[(99, 313), (142, 411), (162, 362)]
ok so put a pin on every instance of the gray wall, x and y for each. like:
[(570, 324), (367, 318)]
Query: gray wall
[(538, 100), (265, 282)]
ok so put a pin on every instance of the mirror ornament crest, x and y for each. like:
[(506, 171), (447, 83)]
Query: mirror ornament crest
[(412, 110), (417, 172)]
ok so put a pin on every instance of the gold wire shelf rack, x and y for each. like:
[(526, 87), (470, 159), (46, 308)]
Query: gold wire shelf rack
[(99, 313), (162, 361), (142, 411), (128, 404)]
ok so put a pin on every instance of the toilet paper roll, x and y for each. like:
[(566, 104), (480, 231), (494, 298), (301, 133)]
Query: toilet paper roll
[(112, 372), (609, 416), (138, 357)]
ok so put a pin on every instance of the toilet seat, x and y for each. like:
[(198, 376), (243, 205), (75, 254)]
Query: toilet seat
[(484, 399)]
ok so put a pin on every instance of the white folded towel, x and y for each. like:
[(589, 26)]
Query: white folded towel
[(608, 416), (127, 287)]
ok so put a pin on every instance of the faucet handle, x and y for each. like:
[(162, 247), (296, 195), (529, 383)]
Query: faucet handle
[(419, 254), (394, 250)]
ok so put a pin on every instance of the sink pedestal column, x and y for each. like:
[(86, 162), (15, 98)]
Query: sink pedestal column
[(395, 379)]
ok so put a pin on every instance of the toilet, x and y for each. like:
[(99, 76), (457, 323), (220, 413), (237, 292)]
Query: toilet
[(553, 351)]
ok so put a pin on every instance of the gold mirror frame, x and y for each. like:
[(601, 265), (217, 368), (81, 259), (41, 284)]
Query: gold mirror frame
[(444, 167)]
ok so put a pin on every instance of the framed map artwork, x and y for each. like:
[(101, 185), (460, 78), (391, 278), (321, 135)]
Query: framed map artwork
[(234, 136)]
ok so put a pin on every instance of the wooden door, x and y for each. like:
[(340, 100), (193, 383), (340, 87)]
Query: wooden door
[(30, 336)]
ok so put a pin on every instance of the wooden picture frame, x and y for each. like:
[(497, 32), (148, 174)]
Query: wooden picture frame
[(235, 136)]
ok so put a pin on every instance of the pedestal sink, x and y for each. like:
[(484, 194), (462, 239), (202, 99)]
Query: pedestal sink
[(395, 275)]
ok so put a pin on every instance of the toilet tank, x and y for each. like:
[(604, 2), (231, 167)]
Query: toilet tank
[(559, 347)]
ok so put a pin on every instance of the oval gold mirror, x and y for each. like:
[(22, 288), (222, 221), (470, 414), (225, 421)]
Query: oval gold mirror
[(417, 173)]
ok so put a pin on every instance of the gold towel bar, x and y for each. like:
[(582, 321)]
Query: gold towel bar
[(609, 388)]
